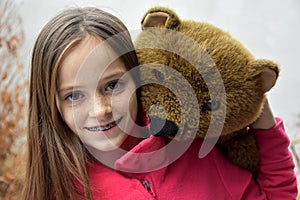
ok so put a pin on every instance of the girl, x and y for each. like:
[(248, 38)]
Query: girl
[(85, 139)]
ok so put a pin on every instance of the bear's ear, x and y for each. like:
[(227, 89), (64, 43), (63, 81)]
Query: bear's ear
[(160, 17), (267, 71)]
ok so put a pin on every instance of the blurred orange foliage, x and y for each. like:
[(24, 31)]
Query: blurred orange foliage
[(13, 102)]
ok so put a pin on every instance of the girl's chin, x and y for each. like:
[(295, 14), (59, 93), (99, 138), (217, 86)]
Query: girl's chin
[(109, 142), (102, 148)]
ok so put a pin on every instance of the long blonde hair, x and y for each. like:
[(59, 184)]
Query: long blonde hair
[(56, 157)]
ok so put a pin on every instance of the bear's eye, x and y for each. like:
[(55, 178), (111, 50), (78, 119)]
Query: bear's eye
[(159, 75), (212, 105)]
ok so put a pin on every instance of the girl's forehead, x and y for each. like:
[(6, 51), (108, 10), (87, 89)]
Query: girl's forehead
[(90, 60), (92, 52)]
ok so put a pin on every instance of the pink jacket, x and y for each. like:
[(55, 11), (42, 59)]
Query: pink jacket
[(189, 177)]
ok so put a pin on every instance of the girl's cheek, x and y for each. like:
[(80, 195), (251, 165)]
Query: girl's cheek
[(131, 103), (74, 119)]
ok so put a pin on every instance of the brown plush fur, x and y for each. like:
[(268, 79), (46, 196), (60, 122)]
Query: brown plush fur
[(215, 67)]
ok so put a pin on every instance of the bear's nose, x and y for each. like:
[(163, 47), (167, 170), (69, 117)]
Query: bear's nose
[(162, 127)]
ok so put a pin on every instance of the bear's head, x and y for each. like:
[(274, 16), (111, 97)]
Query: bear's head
[(198, 77)]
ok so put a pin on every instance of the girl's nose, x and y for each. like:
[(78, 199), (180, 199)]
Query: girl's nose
[(101, 107)]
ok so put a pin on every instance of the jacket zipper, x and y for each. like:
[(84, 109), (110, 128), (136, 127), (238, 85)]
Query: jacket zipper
[(148, 187)]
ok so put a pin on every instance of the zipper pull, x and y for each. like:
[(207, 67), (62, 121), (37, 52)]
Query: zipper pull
[(148, 187)]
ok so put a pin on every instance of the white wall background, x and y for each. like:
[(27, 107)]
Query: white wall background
[(268, 28)]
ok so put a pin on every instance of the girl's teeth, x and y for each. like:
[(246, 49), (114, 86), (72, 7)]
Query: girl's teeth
[(104, 128)]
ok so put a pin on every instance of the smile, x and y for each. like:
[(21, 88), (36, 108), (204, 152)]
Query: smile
[(104, 128)]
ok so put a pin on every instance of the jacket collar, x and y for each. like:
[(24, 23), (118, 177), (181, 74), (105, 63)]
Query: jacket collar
[(147, 156)]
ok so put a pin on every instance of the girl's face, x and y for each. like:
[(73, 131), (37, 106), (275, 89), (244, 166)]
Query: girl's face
[(95, 100)]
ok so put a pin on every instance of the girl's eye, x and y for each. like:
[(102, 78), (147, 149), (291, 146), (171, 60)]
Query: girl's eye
[(75, 96), (114, 85)]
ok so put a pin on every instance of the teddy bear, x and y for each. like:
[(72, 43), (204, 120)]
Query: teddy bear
[(200, 82)]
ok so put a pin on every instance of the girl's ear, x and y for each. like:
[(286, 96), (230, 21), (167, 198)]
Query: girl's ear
[(160, 17), (267, 71)]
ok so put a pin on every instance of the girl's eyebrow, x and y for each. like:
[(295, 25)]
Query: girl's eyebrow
[(72, 87), (68, 88), (113, 75)]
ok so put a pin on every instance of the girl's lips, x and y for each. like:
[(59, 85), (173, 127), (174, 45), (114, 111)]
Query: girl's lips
[(104, 128)]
